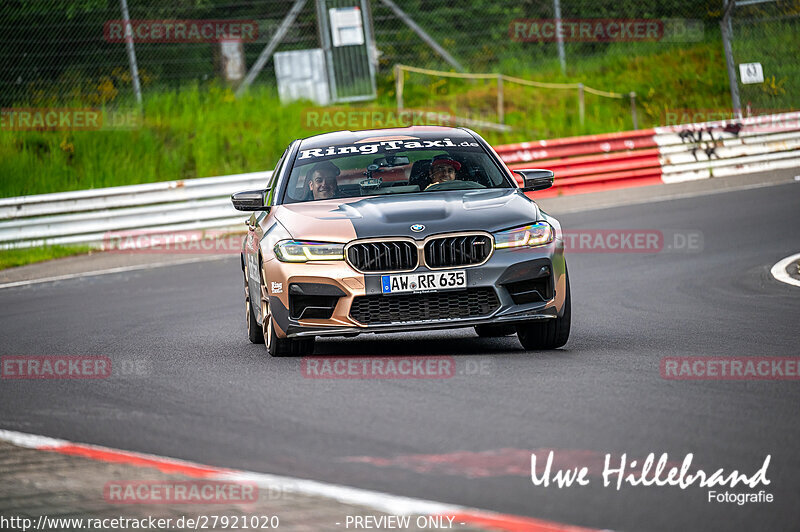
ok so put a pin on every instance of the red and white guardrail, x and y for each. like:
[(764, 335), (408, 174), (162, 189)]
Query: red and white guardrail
[(661, 155), (581, 164), (87, 216)]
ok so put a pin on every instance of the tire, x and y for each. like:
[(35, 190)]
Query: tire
[(279, 347), (254, 332), (288, 347), (547, 334), (494, 331)]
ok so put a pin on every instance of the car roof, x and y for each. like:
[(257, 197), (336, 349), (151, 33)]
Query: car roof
[(410, 133)]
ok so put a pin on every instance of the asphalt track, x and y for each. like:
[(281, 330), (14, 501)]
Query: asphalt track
[(205, 394)]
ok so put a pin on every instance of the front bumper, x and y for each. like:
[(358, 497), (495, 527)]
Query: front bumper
[(510, 273)]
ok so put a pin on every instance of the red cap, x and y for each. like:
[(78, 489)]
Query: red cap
[(451, 162)]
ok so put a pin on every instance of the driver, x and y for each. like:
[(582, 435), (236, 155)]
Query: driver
[(322, 180), (443, 170)]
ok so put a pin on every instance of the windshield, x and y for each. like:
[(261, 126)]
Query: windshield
[(379, 168)]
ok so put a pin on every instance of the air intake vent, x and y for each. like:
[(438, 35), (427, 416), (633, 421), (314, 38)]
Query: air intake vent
[(453, 251), (390, 256), (311, 307), (379, 308), (530, 290)]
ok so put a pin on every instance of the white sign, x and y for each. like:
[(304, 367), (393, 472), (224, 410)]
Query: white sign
[(347, 27), (232, 59), (751, 73), (302, 76)]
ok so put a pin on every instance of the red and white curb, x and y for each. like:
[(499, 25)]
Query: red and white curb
[(381, 502)]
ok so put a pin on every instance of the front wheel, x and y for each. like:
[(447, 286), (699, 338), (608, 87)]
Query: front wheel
[(547, 334), (254, 332), (285, 347), (280, 347)]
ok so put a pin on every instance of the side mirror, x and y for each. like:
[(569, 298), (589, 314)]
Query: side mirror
[(249, 200), (535, 179)]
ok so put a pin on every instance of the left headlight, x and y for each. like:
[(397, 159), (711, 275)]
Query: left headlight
[(533, 235), (294, 251)]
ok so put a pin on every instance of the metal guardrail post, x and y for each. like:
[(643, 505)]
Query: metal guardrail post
[(408, 21), (137, 88), (581, 106), (266, 53), (730, 24), (559, 36), (633, 110), (725, 25)]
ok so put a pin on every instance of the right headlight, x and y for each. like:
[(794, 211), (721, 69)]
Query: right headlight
[(537, 234), (294, 251)]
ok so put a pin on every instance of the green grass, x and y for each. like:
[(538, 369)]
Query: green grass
[(677, 78), (10, 258), (206, 131), (765, 43), (181, 135)]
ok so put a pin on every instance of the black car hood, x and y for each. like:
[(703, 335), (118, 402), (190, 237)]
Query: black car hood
[(440, 212)]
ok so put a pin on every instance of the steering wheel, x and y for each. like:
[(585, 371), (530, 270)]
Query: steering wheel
[(455, 184)]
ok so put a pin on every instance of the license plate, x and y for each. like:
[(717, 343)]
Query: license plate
[(423, 282)]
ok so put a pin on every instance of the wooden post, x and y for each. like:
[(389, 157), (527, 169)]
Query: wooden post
[(500, 109), (633, 110), (398, 79)]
